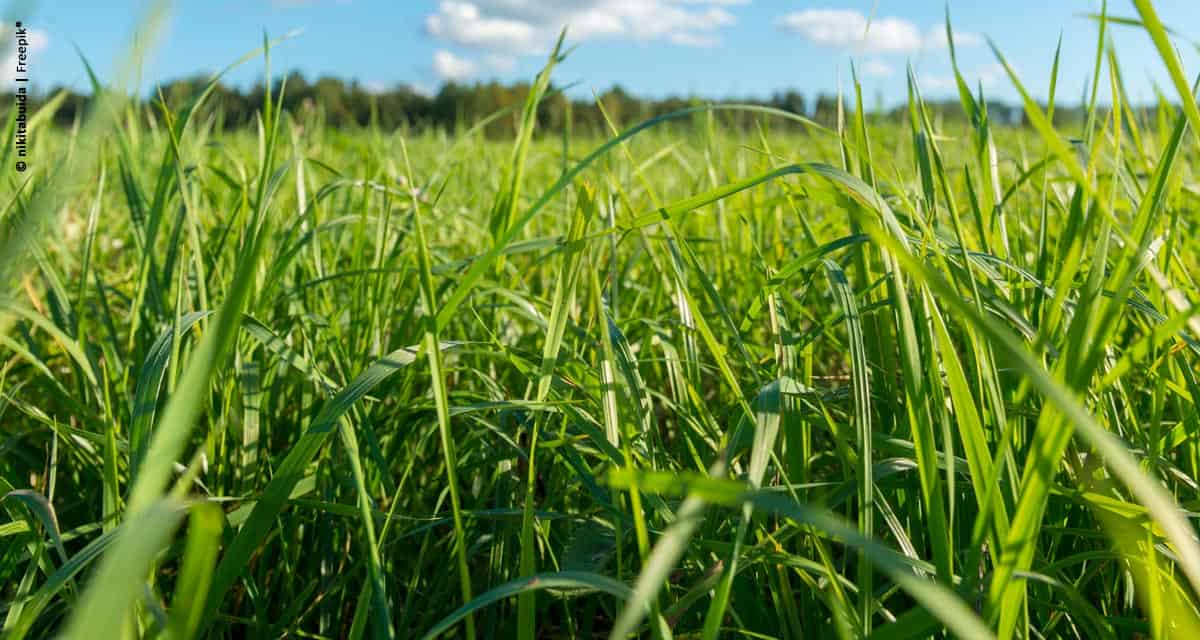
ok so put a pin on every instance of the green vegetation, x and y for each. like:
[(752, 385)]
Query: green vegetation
[(333, 102), (681, 378)]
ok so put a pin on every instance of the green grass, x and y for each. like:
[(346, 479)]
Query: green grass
[(885, 380)]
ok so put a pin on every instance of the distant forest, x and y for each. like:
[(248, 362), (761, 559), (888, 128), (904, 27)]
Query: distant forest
[(334, 102)]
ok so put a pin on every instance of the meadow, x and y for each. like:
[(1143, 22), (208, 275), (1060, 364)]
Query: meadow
[(872, 379)]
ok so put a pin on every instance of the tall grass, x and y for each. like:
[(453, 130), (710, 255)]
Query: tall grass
[(871, 380)]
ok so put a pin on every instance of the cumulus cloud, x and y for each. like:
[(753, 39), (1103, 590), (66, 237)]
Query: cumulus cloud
[(877, 68), (524, 27), (451, 67), (500, 62), (935, 38), (988, 76), (463, 23), (991, 75), (936, 82), (501, 31), (850, 29), (38, 41), (455, 68)]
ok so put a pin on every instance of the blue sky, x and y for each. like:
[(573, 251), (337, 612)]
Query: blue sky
[(715, 48)]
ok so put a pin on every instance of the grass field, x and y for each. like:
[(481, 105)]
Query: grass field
[(864, 380)]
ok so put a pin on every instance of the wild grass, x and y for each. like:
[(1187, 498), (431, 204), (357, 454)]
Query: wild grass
[(863, 381)]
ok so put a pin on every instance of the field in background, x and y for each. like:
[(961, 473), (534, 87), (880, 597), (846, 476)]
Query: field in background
[(874, 379)]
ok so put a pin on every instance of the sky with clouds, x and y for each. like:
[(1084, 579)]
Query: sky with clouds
[(717, 48)]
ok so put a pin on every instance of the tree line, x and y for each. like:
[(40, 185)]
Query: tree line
[(334, 102)]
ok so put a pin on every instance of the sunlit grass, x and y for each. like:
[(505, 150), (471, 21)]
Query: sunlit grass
[(887, 380)]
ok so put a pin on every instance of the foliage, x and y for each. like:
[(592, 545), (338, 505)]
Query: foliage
[(692, 375), (334, 102)]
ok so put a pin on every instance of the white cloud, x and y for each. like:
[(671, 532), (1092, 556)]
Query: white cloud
[(992, 74), (452, 68), (935, 82), (37, 42), (935, 38), (877, 68), (846, 28), (530, 27), (989, 76), (500, 62), (463, 23), (850, 29)]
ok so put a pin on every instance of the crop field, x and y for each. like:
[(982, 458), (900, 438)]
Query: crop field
[(680, 379)]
